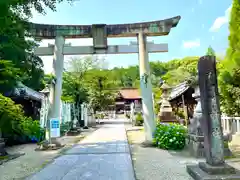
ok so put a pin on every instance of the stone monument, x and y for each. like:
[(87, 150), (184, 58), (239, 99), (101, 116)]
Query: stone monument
[(195, 134), (215, 167), (166, 114)]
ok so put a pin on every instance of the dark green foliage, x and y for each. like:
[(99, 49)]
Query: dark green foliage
[(170, 136), (16, 43), (18, 63), (11, 116), (230, 92), (229, 79), (13, 122), (15, 48), (181, 70), (139, 119), (8, 76), (31, 129)]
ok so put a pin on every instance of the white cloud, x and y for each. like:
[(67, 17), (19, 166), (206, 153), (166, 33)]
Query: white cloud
[(200, 2), (220, 21), (191, 44)]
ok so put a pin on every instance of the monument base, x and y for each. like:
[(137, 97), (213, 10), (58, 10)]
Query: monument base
[(195, 146), (205, 171)]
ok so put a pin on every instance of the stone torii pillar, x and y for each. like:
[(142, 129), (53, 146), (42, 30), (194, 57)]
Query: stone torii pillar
[(146, 88), (56, 90)]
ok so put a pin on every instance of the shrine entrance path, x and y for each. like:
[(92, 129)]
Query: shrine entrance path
[(103, 155)]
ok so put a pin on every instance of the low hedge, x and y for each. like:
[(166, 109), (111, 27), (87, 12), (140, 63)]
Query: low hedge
[(170, 136)]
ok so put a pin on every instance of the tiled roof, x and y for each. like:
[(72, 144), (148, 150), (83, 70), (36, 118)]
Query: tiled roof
[(178, 90), (130, 93), (24, 91)]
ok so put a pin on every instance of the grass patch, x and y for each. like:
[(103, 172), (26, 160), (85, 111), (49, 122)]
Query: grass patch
[(230, 157), (3, 157), (136, 136)]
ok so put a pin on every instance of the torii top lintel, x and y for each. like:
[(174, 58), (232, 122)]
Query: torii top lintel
[(153, 28)]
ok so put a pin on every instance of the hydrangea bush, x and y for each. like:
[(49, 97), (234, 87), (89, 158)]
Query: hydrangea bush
[(170, 136)]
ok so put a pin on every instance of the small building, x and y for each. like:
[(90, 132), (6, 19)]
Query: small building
[(29, 99), (180, 96), (125, 97)]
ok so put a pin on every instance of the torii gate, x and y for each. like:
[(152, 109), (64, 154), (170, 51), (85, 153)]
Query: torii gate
[(100, 33)]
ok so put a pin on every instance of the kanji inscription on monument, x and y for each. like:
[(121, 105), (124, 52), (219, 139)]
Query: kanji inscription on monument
[(215, 167)]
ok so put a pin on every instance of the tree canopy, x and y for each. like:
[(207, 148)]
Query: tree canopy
[(210, 51), (16, 43), (229, 79)]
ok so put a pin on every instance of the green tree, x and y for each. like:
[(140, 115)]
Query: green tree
[(180, 70), (17, 60), (8, 76), (229, 80), (74, 89), (100, 92), (210, 51), (16, 43)]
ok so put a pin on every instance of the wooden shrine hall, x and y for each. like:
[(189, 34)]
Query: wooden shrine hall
[(180, 96)]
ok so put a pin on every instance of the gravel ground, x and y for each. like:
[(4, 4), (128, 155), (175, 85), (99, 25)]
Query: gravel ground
[(33, 161), (157, 164)]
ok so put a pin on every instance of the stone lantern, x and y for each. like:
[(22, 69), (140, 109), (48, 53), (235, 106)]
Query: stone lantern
[(165, 114), (196, 138)]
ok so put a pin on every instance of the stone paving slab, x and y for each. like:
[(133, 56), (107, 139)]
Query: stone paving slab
[(103, 155), (100, 148), (89, 167)]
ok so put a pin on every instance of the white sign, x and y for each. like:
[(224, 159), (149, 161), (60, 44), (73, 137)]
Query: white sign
[(55, 128)]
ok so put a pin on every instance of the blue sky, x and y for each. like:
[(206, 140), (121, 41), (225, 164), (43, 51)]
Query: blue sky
[(203, 23)]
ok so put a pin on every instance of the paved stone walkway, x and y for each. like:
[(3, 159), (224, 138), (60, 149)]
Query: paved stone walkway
[(103, 155)]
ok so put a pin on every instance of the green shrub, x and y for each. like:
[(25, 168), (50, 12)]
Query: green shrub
[(31, 129), (14, 124), (11, 116), (170, 136), (139, 120)]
